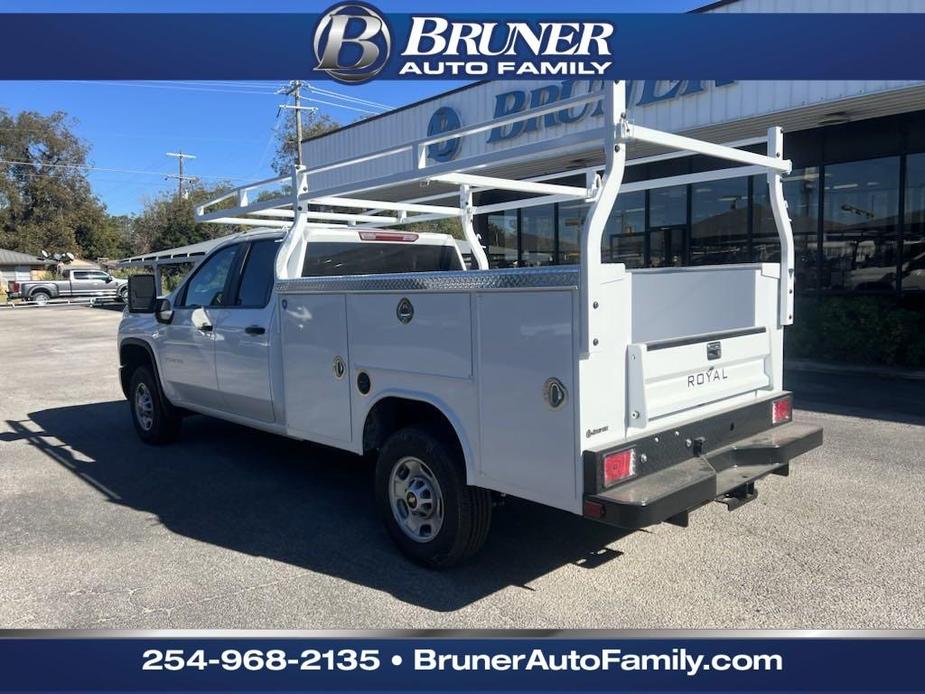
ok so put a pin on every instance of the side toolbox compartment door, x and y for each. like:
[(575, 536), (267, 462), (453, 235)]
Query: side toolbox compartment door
[(525, 338), (317, 390)]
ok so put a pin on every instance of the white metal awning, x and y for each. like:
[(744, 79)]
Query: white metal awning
[(192, 253)]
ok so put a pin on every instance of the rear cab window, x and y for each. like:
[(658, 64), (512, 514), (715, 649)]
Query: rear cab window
[(258, 274), (330, 258)]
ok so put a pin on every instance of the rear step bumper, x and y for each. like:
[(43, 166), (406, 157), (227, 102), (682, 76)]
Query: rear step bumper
[(727, 474)]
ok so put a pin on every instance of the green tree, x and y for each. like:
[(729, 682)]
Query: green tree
[(450, 225), (46, 202), (100, 235), (313, 124), (168, 221)]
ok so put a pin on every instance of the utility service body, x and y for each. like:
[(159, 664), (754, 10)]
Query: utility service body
[(549, 49)]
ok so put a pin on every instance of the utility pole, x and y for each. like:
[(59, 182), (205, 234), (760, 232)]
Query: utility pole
[(179, 175), (294, 89)]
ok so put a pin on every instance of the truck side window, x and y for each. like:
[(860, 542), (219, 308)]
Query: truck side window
[(258, 274), (207, 286)]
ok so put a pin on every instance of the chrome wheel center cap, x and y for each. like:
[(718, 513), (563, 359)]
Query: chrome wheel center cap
[(416, 499)]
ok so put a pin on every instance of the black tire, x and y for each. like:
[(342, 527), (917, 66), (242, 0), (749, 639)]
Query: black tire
[(40, 296), (466, 514), (159, 423), (123, 295)]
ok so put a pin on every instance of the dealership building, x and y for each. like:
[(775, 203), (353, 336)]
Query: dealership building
[(856, 194)]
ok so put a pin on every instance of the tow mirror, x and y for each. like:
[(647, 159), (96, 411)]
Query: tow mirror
[(142, 294), (164, 311)]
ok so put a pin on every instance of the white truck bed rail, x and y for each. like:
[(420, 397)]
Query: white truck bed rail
[(384, 201)]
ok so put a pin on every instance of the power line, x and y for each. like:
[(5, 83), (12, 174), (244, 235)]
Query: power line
[(175, 87), (355, 99), (349, 108), (246, 89), (87, 167), (266, 148)]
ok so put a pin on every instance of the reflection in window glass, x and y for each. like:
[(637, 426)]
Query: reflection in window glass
[(206, 287), (258, 274), (913, 261), (667, 206), (801, 190), (861, 210), (571, 221), (502, 239), (538, 235), (331, 258), (624, 237), (719, 222)]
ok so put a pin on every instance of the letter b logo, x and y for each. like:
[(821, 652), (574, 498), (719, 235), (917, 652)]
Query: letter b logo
[(352, 42)]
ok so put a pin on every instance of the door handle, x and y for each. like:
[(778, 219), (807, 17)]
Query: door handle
[(255, 330)]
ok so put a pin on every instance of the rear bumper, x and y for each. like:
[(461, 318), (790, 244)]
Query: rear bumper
[(726, 474)]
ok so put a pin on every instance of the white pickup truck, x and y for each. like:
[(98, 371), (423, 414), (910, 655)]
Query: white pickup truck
[(628, 397)]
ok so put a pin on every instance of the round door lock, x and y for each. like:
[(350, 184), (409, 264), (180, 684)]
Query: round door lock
[(404, 311), (285, 304), (554, 393), (339, 367)]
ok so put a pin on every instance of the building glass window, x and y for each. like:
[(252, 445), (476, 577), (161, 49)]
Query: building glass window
[(538, 235), (624, 237), (667, 207), (571, 220), (719, 222), (502, 239), (912, 275), (667, 226), (860, 215), (801, 190)]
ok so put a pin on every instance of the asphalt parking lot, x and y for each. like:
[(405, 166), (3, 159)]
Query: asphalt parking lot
[(230, 528)]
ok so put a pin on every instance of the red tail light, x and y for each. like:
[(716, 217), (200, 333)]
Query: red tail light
[(619, 466), (405, 236), (14, 287), (781, 410)]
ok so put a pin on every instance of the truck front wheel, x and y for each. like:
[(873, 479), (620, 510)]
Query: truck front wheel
[(433, 516), (156, 420)]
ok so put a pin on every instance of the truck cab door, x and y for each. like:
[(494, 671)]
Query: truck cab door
[(187, 343), (80, 283), (99, 283), (244, 334)]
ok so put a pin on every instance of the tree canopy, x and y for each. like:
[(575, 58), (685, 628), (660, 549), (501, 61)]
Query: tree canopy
[(168, 221), (313, 125), (46, 202)]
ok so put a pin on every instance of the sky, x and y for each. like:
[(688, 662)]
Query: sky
[(228, 126)]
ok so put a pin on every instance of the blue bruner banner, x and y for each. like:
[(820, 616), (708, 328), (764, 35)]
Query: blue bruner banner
[(801, 661), (354, 43)]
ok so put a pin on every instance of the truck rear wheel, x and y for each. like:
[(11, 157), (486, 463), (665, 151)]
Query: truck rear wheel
[(40, 297), (156, 420), (433, 516)]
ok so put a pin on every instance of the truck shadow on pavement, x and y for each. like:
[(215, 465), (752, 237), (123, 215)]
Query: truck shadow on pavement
[(303, 504)]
